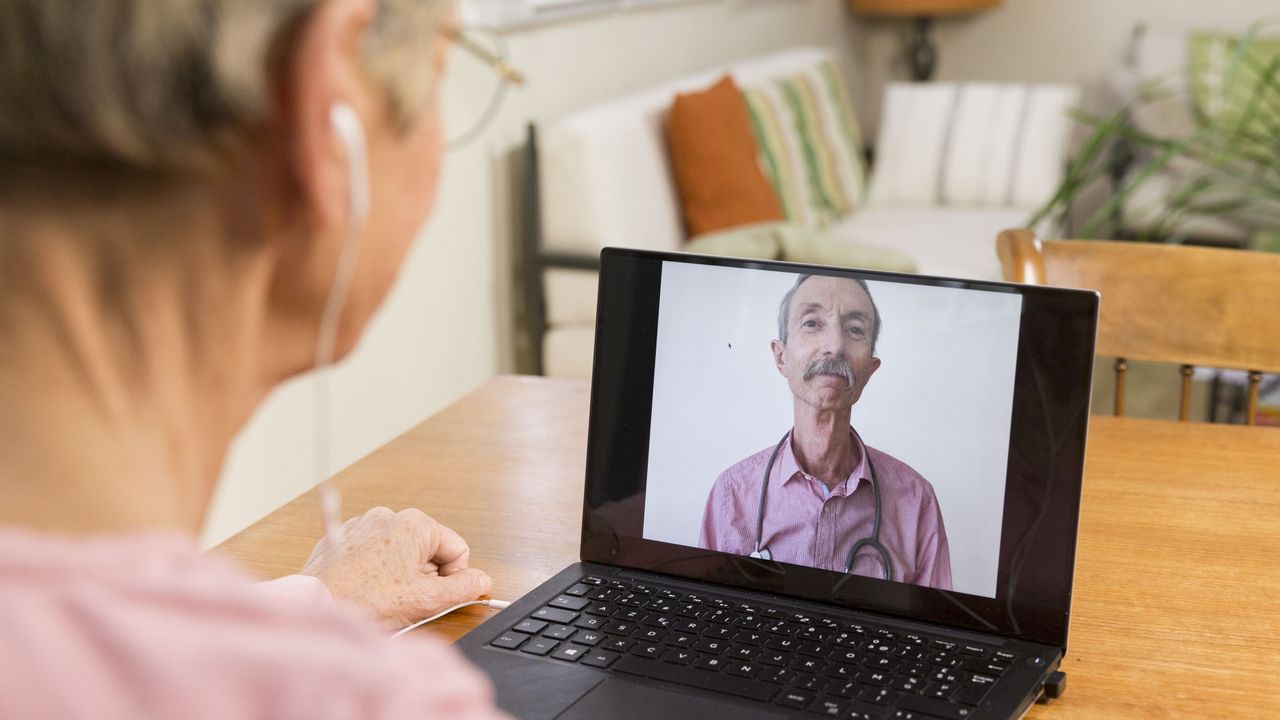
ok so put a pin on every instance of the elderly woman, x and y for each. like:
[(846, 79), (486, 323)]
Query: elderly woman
[(179, 183)]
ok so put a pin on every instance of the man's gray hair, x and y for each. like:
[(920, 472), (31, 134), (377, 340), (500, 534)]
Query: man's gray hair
[(784, 310), (172, 85)]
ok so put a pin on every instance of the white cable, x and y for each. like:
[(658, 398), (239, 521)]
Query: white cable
[(349, 129), (495, 604)]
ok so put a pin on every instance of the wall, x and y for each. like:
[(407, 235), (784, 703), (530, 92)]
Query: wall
[(1040, 40), (446, 328)]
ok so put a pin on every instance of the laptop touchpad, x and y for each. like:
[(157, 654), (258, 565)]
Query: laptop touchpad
[(619, 699)]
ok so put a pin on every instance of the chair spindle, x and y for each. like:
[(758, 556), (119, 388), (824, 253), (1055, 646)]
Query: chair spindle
[(1184, 402), (1121, 366), (1251, 410)]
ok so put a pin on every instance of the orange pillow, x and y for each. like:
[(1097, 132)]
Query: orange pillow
[(714, 159)]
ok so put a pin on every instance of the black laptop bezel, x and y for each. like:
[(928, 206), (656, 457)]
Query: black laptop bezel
[(1042, 493)]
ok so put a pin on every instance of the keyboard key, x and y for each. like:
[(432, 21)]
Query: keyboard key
[(934, 708), (592, 580), (714, 664), (784, 644), (845, 690), (875, 677), (539, 646), (712, 647), (945, 676), (579, 590), (681, 639), (972, 694), (601, 609), (679, 656), (590, 622), (941, 691), (619, 628), (773, 657), (530, 627), (840, 671), (806, 681), (509, 640), (798, 699), (906, 683), (985, 668), (828, 706), (877, 695), (1005, 656), (599, 658), (719, 632), (742, 652), (569, 652), (857, 710), (974, 650), (809, 665), (559, 632), (776, 675), (813, 632), (587, 637), (743, 669), (617, 644), (554, 615), (631, 615), (691, 676), (653, 635), (845, 656), (646, 650)]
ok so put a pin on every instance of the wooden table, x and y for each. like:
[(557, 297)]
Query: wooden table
[(1177, 604)]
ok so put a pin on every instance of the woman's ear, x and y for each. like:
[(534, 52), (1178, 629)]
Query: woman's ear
[(322, 70)]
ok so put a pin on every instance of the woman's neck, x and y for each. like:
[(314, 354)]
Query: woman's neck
[(126, 366)]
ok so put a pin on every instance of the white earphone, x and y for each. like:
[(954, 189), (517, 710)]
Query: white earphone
[(350, 131)]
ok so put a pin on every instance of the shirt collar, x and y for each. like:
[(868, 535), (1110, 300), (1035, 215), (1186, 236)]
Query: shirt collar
[(789, 468)]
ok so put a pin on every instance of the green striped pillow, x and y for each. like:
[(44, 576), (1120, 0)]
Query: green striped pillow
[(809, 144)]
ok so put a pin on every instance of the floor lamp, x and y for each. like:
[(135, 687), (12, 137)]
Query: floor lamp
[(922, 53)]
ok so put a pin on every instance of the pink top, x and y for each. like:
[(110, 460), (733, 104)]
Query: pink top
[(144, 626), (805, 526)]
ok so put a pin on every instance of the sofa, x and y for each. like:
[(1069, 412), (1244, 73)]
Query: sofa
[(954, 165)]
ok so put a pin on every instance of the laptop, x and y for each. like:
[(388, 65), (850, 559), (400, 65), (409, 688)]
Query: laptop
[(813, 492)]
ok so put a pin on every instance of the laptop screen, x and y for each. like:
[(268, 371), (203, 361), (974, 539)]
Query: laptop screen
[(865, 438)]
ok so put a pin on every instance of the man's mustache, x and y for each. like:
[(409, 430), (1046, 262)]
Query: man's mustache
[(834, 365)]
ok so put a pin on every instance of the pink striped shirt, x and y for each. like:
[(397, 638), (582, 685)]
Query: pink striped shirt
[(805, 526), (144, 626)]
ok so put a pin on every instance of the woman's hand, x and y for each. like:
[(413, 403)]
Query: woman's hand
[(399, 566)]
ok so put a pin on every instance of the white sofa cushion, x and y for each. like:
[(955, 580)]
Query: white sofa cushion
[(951, 242), (912, 143), (972, 144)]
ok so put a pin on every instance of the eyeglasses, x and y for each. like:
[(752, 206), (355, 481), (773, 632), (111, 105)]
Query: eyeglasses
[(489, 49)]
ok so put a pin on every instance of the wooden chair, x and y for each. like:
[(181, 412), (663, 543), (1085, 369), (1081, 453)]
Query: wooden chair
[(1191, 306)]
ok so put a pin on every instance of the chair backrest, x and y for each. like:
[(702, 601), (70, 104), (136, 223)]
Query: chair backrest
[(1192, 306)]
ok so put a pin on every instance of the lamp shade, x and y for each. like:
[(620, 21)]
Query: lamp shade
[(919, 8)]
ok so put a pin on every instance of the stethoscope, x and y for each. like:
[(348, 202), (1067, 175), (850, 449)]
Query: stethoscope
[(873, 542)]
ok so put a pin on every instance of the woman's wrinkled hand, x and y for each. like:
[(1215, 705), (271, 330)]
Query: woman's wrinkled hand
[(398, 566)]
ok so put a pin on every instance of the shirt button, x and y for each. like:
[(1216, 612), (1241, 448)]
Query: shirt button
[(826, 508)]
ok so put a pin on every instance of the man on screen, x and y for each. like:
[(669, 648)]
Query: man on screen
[(824, 488)]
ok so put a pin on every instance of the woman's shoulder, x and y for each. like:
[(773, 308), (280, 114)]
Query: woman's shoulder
[(147, 626)]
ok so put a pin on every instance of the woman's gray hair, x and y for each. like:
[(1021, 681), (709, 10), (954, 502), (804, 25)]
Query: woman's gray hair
[(170, 85)]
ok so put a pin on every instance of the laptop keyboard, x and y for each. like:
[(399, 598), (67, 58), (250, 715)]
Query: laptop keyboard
[(803, 662)]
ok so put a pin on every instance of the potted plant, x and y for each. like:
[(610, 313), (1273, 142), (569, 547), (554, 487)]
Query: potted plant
[(1225, 166)]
